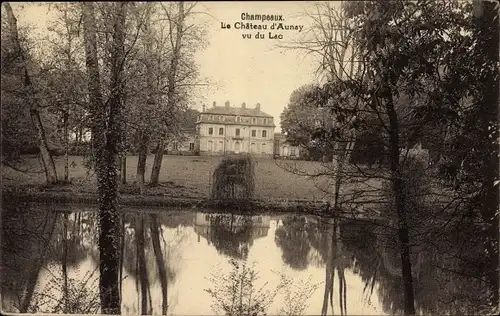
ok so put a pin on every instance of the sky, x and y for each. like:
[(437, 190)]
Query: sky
[(238, 70), (254, 70)]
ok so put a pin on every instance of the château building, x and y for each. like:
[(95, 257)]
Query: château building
[(228, 129)]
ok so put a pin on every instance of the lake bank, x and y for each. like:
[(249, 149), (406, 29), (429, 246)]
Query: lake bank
[(65, 198)]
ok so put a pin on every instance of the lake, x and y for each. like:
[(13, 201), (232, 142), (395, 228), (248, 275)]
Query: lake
[(187, 262)]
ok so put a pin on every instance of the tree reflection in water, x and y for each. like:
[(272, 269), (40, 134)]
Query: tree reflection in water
[(37, 242), (298, 236), (446, 267), (149, 256), (291, 237)]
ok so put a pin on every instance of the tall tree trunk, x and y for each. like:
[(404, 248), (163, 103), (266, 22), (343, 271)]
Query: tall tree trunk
[(488, 33), (397, 187), (31, 99), (340, 159), (107, 138), (155, 171), (160, 262), (141, 163), (66, 146), (171, 89), (124, 168)]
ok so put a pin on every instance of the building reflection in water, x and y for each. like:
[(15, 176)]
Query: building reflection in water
[(231, 234)]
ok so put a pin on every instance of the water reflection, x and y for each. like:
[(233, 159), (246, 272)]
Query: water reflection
[(231, 234), (49, 264)]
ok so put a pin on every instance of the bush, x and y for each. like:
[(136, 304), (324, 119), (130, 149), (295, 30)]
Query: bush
[(234, 178)]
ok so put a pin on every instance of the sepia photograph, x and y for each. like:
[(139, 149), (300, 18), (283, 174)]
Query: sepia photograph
[(250, 158)]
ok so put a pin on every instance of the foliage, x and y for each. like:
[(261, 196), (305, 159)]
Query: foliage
[(17, 128), (236, 294), (296, 294), (414, 86), (83, 298), (300, 118), (234, 178)]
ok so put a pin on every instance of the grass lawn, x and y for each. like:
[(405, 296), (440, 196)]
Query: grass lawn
[(186, 176)]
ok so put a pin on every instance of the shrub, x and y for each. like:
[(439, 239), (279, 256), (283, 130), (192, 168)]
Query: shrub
[(234, 178)]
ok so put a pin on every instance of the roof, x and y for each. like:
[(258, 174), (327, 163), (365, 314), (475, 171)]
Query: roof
[(238, 111)]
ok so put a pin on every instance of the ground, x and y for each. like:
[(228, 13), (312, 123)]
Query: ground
[(183, 176)]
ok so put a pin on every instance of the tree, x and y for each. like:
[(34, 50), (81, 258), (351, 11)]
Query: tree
[(63, 87), (106, 140), (300, 120), (236, 293), (29, 94), (406, 51), (296, 120), (163, 77), (488, 44), (176, 38), (472, 157)]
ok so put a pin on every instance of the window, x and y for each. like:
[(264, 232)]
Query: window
[(210, 145), (263, 148), (253, 120), (254, 133), (264, 134), (221, 118), (221, 131), (265, 121), (221, 146), (176, 146), (207, 217), (237, 132), (292, 151), (191, 146), (210, 131), (238, 119), (252, 147), (211, 118)]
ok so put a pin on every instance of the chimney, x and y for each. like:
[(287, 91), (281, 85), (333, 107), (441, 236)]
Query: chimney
[(203, 107), (243, 105), (257, 107), (214, 104), (227, 104)]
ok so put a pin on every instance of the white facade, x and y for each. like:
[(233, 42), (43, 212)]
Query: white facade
[(228, 129)]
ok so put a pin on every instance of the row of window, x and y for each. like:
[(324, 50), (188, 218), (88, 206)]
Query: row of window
[(239, 119), (214, 146), (237, 132)]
